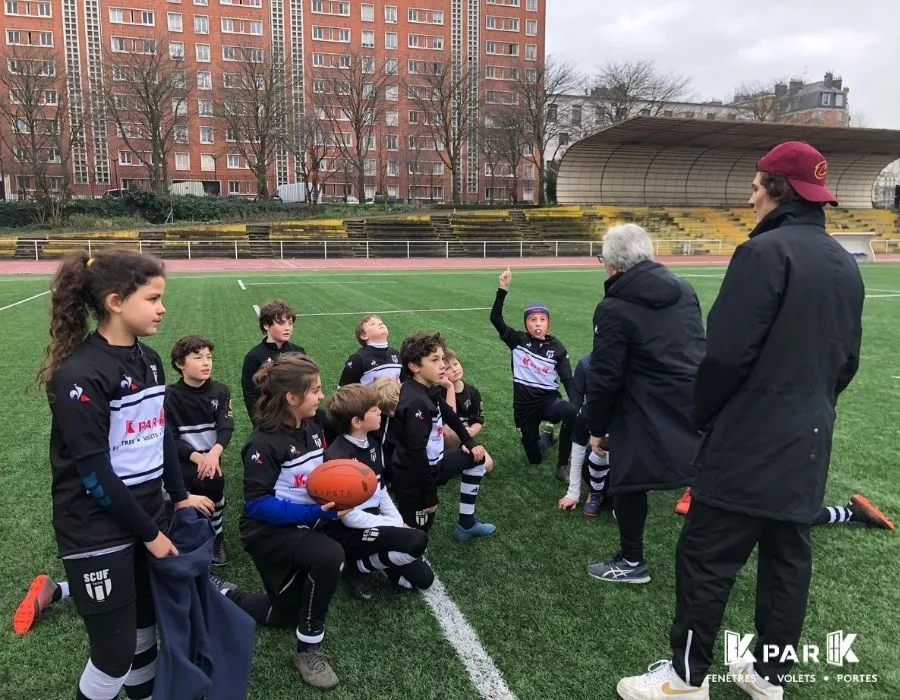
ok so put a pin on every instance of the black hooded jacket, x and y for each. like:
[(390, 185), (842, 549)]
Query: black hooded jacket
[(783, 343), (648, 343)]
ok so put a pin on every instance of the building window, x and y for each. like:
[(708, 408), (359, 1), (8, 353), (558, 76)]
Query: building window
[(391, 142), (390, 40), (368, 39), (392, 66), (175, 23), (176, 50), (180, 133), (367, 13), (390, 14), (826, 99), (205, 108), (204, 80), (838, 99), (207, 162), (206, 134), (531, 27), (202, 52), (530, 52), (392, 117), (234, 160), (201, 24), (531, 5), (182, 161), (125, 158)]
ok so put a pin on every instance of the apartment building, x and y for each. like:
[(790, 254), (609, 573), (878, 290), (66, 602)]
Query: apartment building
[(87, 44)]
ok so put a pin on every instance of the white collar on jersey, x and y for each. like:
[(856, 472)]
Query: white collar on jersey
[(377, 345), (364, 443)]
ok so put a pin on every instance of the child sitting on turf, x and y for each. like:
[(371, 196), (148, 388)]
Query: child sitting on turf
[(375, 359), (276, 321), (466, 402), (198, 409), (373, 535), (281, 523), (539, 363), (585, 464), (419, 464)]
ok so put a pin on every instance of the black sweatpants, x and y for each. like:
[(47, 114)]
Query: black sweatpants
[(713, 547), (112, 594), (213, 488), (455, 463), (528, 422), (395, 550), (300, 569), (631, 516)]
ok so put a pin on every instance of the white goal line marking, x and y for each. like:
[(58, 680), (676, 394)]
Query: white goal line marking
[(483, 672), (22, 301), (256, 309), (241, 285)]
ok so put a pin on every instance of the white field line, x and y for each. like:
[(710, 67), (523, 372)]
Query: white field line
[(395, 311), (483, 673), (241, 285), (305, 280), (22, 301), (718, 276), (883, 291), (868, 296), (256, 309)]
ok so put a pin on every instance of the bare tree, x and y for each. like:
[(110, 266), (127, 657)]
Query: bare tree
[(511, 137), (146, 94), (41, 134), (253, 111), (413, 161), (441, 95), (353, 105), (541, 91), (624, 90), (307, 141), (759, 102), (858, 119), (490, 145)]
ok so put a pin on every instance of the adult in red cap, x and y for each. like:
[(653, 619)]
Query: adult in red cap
[(783, 341)]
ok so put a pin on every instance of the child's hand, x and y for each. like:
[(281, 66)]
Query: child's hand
[(597, 444), (209, 467), (478, 453), (201, 503), (505, 278), (161, 547), (566, 503), (340, 513)]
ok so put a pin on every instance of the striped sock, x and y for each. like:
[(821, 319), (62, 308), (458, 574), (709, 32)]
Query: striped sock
[(139, 681), (96, 685), (598, 471), (218, 512), (469, 483)]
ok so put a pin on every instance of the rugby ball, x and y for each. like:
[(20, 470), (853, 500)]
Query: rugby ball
[(345, 482)]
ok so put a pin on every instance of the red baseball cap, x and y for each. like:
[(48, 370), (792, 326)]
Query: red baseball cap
[(803, 166)]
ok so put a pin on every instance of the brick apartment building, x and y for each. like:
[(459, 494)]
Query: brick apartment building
[(79, 40)]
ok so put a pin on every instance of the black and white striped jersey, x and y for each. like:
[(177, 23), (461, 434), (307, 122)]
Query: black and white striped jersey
[(253, 360), (538, 366), (200, 417), (469, 405), (370, 363), (105, 400), (279, 464)]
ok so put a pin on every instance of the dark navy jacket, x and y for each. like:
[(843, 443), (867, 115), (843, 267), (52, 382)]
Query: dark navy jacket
[(206, 641)]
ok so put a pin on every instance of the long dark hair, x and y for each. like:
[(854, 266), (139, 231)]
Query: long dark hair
[(292, 373), (79, 290)]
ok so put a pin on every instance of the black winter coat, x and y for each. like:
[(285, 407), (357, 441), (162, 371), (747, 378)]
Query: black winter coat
[(783, 342), (648, 343)]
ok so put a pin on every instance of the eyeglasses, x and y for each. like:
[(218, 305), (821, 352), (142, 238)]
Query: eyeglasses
[(601, 260)]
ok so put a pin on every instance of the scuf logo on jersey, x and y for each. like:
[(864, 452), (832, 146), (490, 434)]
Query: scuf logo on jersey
[(350, 364), (126, 383), (98, 585), (293, 450), (373, 455), (394, 359), (256, 458), (419, 415), (77, 394), (374, 363), (317, 440), (215, 404), (155, 375)]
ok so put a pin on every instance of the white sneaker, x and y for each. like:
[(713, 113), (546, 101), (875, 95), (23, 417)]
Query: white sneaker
[(661, 683), (748, 680)]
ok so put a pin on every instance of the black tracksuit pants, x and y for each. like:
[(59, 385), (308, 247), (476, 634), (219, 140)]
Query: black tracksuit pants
[(713, 547)]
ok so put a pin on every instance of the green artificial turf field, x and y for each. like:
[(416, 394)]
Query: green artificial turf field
[(551, 630)]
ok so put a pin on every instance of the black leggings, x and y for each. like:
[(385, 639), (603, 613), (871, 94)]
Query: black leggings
[(395, 550), (631, 514), (112, 594), (552, 411)]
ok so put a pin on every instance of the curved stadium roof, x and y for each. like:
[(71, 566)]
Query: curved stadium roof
[(661, 161)]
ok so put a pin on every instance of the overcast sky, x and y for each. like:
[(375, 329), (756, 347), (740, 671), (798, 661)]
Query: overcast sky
[(720, 43)]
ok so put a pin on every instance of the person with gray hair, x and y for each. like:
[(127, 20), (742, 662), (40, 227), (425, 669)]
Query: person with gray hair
[(648, 344)]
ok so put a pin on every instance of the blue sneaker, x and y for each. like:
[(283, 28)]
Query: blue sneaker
[(479, 529), (618, 570)]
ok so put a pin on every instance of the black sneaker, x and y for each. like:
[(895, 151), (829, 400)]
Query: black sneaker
[(220, 554), (360, 585), (617, 570), (221, 585), (595, 503)]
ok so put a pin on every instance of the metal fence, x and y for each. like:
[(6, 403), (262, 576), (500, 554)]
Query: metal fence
[(243, 249)]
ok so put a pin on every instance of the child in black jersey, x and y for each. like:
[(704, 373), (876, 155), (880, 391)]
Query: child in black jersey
[(198, 409), (281, 523), (419, 465), (110, 452), (388, 392), (276, 321), (375, 359), (373, 534), (467, 401), (539, 362)]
